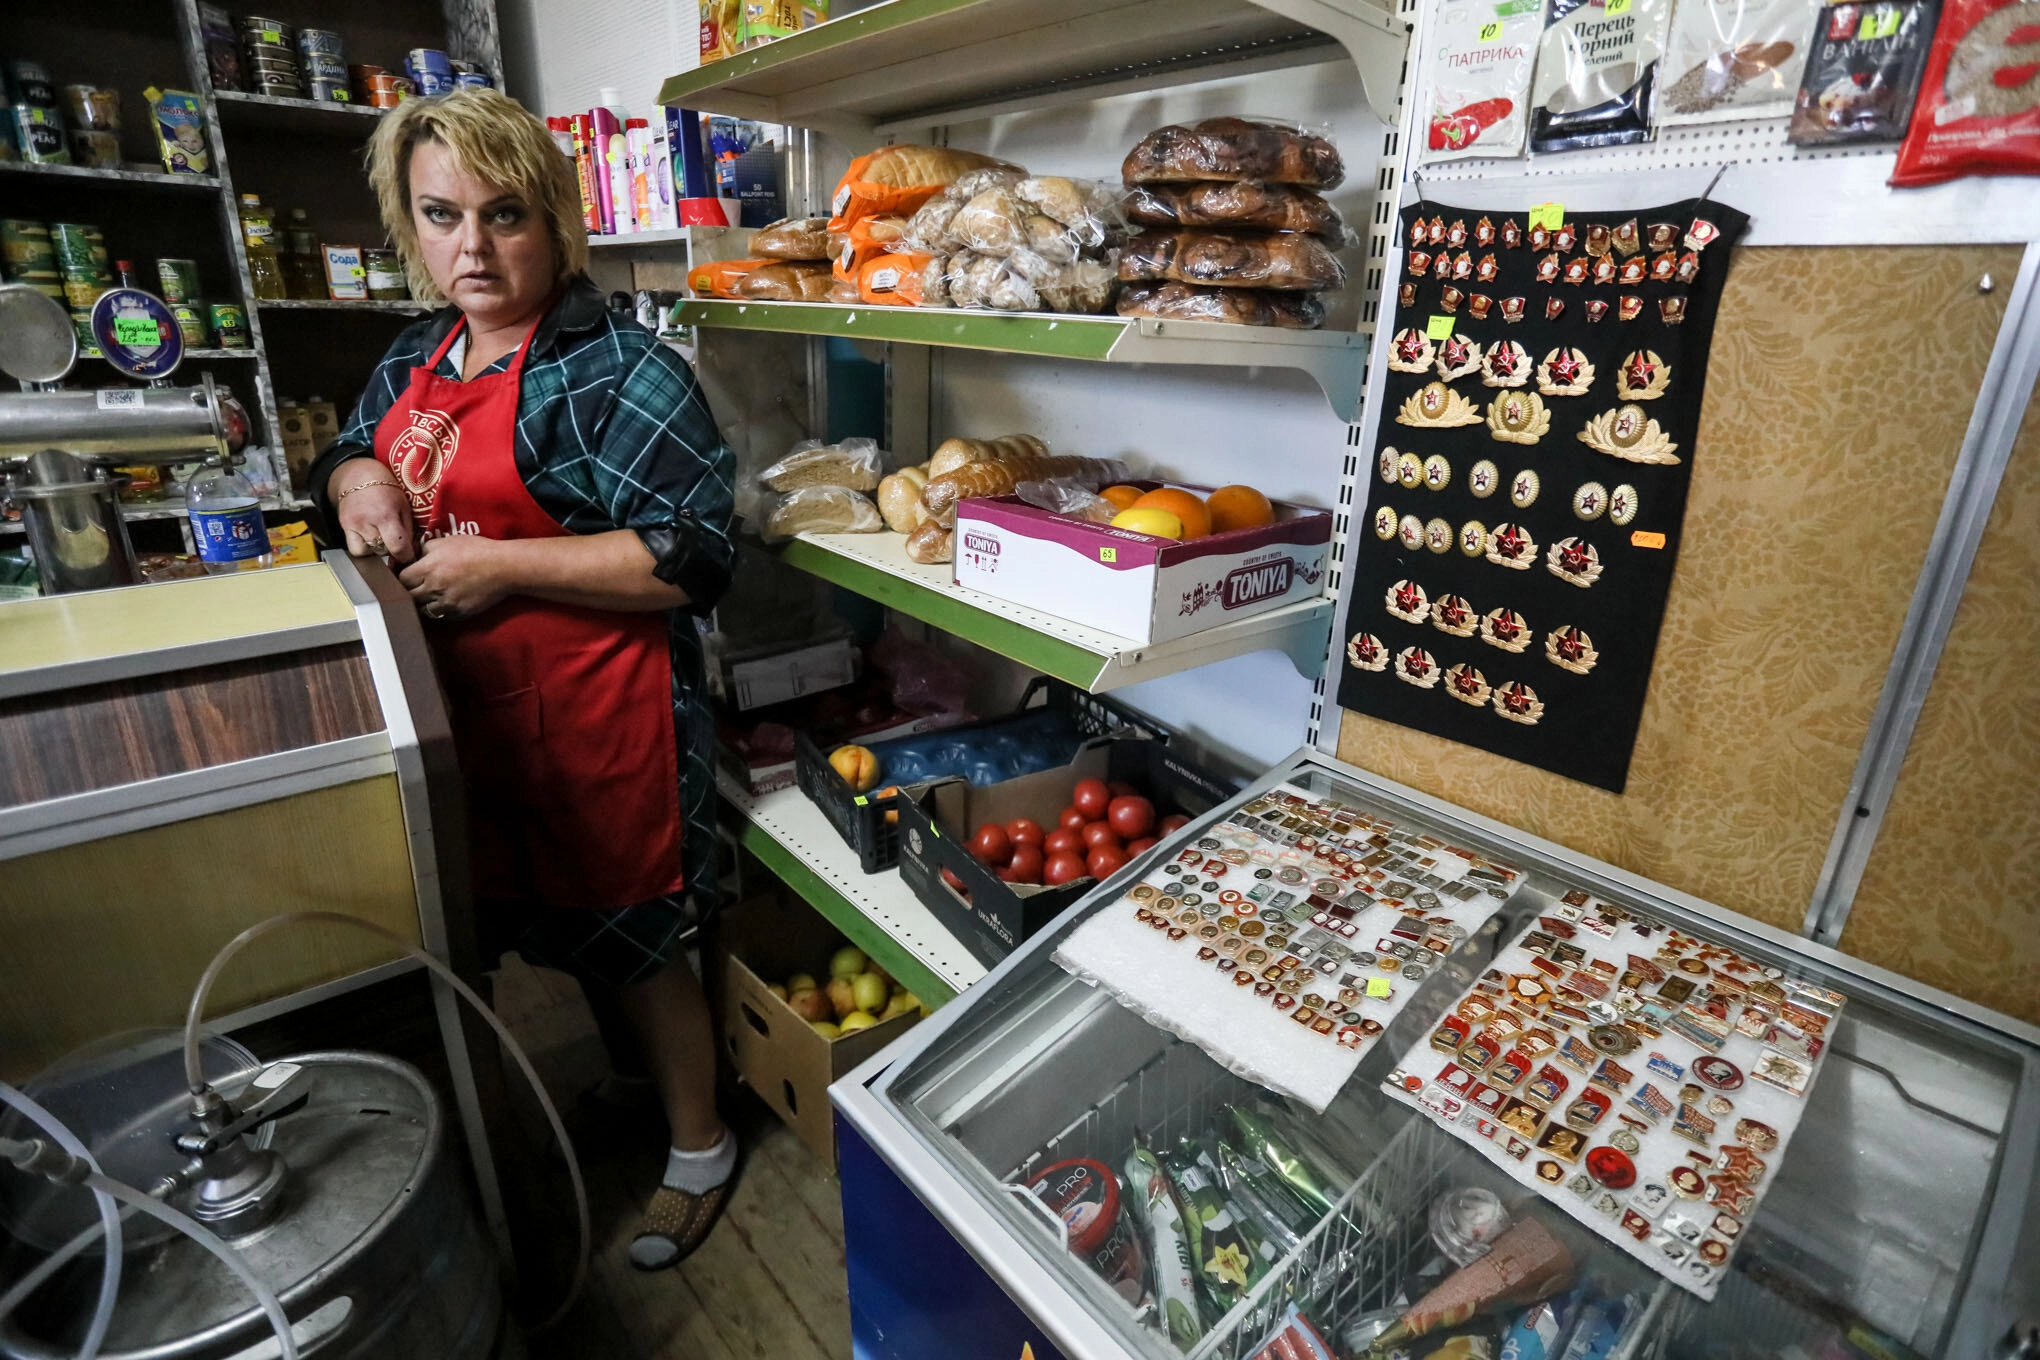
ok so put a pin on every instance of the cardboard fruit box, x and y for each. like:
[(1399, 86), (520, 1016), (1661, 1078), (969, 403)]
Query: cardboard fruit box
[(992, 917), (767, 939), (1134, 585)]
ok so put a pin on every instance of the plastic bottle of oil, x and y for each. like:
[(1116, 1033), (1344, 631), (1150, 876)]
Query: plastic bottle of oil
[(258, 230), (304, 266)]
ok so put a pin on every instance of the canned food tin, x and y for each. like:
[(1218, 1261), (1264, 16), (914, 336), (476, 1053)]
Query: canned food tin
[(473, 80), (321, 40), (278, 85), (329, 91), (428, 59), (179, 279), (82, 287), (192, 323), (51, 288), (79, 245), (95, 148), (385, 274), (88, 343), (229, 324), (94, 108), (25, 245), (268, 30), (319, 66), (265, 57)]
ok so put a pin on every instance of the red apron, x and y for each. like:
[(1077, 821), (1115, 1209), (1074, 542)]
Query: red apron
[(562, 716)]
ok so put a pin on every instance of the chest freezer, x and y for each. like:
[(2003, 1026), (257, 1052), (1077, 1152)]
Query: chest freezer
[(1902, 1220)]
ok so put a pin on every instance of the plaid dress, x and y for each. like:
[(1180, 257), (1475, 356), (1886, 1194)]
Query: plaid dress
[(613, 432)]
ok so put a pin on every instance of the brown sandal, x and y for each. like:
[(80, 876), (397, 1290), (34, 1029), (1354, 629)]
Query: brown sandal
[(675, 1223)]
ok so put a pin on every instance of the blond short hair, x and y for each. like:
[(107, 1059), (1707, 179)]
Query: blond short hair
[(494, 138)]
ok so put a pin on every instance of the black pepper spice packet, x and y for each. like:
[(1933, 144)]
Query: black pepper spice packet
[(1862, 72)]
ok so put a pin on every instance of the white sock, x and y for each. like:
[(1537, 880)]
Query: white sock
[(697, 1173)]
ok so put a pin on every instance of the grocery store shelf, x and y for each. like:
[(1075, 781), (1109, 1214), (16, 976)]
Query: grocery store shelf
[(1336, 359), (154, 178), (878, 912), (909, 64), (343, 305), (877, 566), (142, 510), (676, 236), (209, 353), (282, 114)]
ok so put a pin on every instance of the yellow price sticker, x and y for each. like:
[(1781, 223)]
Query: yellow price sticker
[(1646, 538), (1108, 554), (1438, 328), (1616, 7), (1378, 987), (1880, 22), (1491, 31), (1550, 216)]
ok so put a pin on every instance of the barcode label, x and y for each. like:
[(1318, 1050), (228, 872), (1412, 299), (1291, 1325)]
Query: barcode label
[(120, 399)]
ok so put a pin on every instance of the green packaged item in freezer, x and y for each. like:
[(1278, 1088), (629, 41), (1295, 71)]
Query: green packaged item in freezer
[(1282, 1161), (179, 121), (179, 279), (1227, 1263), (1168, 1243), (230, 324)]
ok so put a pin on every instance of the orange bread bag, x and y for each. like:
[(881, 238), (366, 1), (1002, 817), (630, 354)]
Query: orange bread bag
[(899, 179), (892, 279), (718, 278)]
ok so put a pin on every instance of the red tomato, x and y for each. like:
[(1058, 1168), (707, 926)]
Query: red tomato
[(1024, 831), (1131, 817), (1061, 869), (1091, 797), (1171, 824), (1106, 859), (1121, 789), (1134, 848), (956, 885), (1026, 865), (1098, 833), (1071, 818), (990, 845), (1063, 841)]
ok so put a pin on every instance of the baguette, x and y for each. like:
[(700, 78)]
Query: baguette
[(1001, 478), (957, 452)]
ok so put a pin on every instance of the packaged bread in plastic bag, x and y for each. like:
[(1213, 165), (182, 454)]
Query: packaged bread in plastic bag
[(867, 238), (1290, 261), (1240, 306), (1088, 210), (1235, 206), (1262, 150), (784, 281), (1067, 496), (893, 279), (719, 278), (793, 238), (899, 179), (855, 463), (821, 510)]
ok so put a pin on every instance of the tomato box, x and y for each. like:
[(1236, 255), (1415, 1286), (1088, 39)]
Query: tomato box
[(1134, 585), (992, 917)]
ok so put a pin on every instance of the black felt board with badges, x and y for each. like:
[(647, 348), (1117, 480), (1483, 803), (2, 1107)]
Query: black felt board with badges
[(1500, 667)]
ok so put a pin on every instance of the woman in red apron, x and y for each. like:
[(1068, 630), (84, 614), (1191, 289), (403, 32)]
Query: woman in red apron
[(547, 478)]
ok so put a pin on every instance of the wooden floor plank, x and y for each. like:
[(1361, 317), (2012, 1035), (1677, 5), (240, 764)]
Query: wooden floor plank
[(810, 1176), (796, 1249)]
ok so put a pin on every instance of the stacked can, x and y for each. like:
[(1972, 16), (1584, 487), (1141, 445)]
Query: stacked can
[(87, 272), (466, 75), (430, 70), (270, 49), (325, 71), (37, 126), (94, 111), (29, 258), (179, 279)]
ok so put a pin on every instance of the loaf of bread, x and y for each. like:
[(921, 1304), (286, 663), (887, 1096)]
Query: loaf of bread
[(956, 452), (1083, 207), (1001, 477), (1234, 149), (1271, 207), (793, 238), (842, 290), (899, 499), (786, 281), (991, 223), (900, 167), (932, 543), (1242, 306), (1289, 261), (822, 510), (853, 463), (1082, 286)]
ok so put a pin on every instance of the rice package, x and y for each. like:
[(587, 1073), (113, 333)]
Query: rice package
[(1482, 53)]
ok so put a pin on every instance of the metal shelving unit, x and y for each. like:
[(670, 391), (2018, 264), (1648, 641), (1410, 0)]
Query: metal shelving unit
[(240, 109), (204, 184), (877, 566), (407, 306), (878, 912)]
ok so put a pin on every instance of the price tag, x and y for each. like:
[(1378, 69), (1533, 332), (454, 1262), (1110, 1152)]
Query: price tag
[(1491, 31), (1550, 216), (1645, 538), (1108, 554), (136, 331), (1438, 328), (1880, 22), (1378, 987), (1616, 7)]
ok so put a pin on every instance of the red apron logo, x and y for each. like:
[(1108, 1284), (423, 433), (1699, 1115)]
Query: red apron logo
[(1251, 585), (421, 455)]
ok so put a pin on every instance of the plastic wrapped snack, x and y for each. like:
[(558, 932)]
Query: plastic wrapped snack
[(793, 238), (1289, 261), (899, 499), (1241, 306), (1270, 207), (932, 543), (1088, 210), (821, 510), (843, 291), (927, 230), (987, 281), (784, 281), (854, 463), (866, 240), (1083, 287), (991, 223), (1064, 496), (1235, 149)]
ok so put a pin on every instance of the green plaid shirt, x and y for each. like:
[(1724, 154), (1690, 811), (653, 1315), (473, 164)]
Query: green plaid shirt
[(613, 432)]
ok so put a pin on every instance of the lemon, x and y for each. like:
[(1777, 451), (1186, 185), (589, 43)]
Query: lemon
[(1147, 520)]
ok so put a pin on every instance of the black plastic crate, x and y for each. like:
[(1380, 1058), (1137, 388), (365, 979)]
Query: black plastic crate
[(860, 818)]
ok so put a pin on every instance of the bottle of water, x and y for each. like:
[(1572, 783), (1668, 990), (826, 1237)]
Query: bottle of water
[(226, 520)]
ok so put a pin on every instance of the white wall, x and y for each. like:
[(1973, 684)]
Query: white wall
[(558, 54)]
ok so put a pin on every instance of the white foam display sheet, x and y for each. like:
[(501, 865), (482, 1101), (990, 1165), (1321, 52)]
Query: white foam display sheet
[(1284, 941), (1644, 1079)]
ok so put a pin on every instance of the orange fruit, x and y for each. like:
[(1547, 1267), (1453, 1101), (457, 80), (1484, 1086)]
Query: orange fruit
[(1238, 507), (1184, 506), (1122, 497)]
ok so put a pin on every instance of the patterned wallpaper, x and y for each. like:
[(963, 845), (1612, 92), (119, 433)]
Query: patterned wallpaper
[(1837, 396), (1952, 891)]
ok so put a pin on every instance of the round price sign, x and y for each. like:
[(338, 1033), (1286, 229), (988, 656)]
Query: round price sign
[(136, 333)]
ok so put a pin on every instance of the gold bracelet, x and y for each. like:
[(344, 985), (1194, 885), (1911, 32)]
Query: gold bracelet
[(362, 486)]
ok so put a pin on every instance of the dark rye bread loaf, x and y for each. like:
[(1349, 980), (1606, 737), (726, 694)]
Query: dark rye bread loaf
[(1234, 149), (1232, 205), (1289, 261), (1242, 306)]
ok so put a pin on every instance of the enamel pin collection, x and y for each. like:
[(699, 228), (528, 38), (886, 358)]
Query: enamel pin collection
[(1641, 1078), (1530, 421)]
